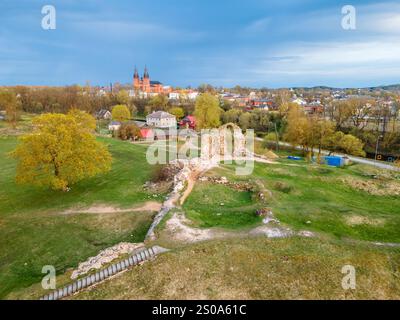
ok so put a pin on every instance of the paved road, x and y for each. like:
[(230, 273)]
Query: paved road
[(375, 163)]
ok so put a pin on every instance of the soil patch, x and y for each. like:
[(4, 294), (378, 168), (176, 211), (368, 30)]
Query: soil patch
[(151, 206)]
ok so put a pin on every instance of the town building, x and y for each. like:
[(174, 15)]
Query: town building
[(103, 114), (188, 122), (144, 86), (161, 119), (114, 126)]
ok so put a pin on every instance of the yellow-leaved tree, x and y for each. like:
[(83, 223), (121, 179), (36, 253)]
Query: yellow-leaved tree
[(207, 111), (121, 113), (61, 151)]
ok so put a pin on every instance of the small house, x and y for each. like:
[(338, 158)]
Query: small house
[(114, 126), (161, 119), (103, 114), (188, 122)]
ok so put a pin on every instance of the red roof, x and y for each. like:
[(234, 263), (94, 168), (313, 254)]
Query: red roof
[(146, 133), (191, 118)]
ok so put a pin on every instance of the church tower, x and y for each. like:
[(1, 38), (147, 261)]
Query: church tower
[(136, 80), (146, 81)]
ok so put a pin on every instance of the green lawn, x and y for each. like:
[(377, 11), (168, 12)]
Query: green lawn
[(305, 196), (33, 233), (211, 205), (258, 268)]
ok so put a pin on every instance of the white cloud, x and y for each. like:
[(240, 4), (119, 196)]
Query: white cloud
[(339, 62)]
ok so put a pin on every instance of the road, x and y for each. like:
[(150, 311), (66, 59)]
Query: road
[(375, 163)]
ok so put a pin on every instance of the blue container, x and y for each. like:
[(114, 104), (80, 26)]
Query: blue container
[(294, 158), (334, 161)]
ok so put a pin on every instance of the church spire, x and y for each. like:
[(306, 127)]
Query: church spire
[(136, 74), (146, 73)]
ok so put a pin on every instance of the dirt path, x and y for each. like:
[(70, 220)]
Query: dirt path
[(178, 228), (152, 206), (190, 185)]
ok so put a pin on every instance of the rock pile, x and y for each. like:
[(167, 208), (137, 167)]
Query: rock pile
[(239, 186), (104, 257), (267, 215)]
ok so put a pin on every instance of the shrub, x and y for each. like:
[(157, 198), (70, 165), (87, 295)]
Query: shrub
[(128, 131), (283, 187)]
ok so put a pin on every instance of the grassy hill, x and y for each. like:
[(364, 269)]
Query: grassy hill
[(346, 208), (34, 232), (293, 268)]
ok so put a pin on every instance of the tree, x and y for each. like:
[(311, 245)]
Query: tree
[(206, 88), (347, 143), (260, 120), (60, 151), (158, 102), (10, 103), (352, 145), (231, 116), (128, 131), (341, 113), (177, 112), (207, 111), (298, 128), (323, 130), (360, 111), (121, 113), (122, 97), (245, 120)]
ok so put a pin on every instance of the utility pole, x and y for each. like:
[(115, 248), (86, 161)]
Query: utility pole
[(377, 146), (277, 137)]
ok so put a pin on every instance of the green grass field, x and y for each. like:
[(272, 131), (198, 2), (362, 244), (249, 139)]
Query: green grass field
[(304, 196), (259, 268), (219, 206), (34, 233)]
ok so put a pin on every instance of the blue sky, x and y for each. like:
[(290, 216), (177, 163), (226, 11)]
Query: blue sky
[(256, 43)]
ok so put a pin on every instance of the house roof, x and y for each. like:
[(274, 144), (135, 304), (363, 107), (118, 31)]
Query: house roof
[(140, 124), (161, 115), (189, 119), (102, 112)]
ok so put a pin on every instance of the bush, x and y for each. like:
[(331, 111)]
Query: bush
[(271, 137), (128, 131), (162, 173), (283, 187)]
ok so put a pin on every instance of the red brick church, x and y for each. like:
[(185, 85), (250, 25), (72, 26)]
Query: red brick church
[(144, 84)]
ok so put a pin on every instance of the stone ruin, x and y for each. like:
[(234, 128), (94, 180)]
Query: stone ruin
[(226, 142)]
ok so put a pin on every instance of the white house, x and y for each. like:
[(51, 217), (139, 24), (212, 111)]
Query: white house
[(161, 119), (114, 126), (103, 114), (174, 96), (192, 95), (299, 101)]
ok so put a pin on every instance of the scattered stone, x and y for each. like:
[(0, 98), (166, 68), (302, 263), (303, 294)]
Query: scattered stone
[(306, 234), (267, 215), (104, 257)]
